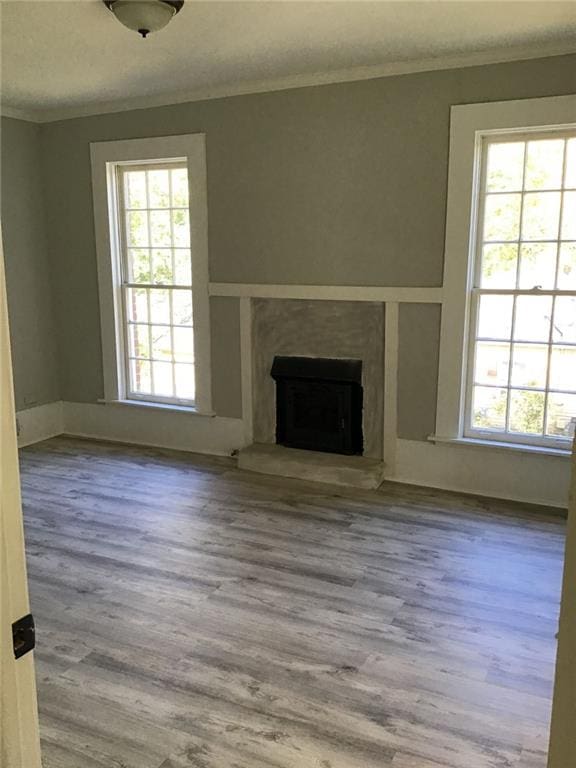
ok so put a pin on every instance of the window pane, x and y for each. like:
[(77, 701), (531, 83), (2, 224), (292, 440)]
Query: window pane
[(139, 340), (491, 365), (567, 267), (137, 228), (182, 307), (523, 377), (541, 216), (161, 343), (495, 317), (163, 382), (160, 228), (162, 266), (489, 408), (185, 382), (499, 266), (158, 189), (139, 265), (181, 226), (184, 345), (529, 365), (505, 167), (563, 369), (569, 216), (182, 267), (180, 188), (561, 419), (533, 314), (155, 242), (140, 380), (135, 189), (526, 412), (159, 306), (137, 304), (544, 163), (564, 329), (502, 217), (570, 179), (537, 265)]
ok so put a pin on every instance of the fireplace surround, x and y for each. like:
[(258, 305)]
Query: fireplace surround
[(314, 363), (336, 330)]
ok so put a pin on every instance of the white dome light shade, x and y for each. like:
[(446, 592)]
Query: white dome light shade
[(144, 16)]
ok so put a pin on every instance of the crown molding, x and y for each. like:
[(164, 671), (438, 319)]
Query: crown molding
[(29, 116), (288, 83)]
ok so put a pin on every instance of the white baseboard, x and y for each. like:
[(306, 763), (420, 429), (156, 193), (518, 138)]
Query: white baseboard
[(39, 423), (526, 477), (158, 428), (535, 479)]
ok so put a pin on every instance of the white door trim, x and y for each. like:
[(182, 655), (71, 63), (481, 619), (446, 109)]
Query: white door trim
[(20, 744)]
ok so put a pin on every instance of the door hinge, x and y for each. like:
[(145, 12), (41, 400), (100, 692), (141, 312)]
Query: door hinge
[(23, 635)]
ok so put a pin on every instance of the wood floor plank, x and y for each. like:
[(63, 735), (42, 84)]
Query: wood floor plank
[(190, 615)]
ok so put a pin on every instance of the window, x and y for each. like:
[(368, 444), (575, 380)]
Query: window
[(522, 368), (150, 212), (156, 273), (507, 367)]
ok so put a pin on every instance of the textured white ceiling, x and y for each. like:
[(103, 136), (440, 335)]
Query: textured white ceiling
[(73, 55)]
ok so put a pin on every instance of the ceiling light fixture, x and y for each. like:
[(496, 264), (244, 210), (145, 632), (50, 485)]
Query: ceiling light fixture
[(144, 16)]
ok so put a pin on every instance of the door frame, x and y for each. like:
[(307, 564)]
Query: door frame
[(19, 733)]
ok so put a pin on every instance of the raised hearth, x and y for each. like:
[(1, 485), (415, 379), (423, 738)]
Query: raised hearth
[(355, 471)]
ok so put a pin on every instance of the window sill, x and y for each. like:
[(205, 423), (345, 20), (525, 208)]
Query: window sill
[(495, 445), (170, 407)]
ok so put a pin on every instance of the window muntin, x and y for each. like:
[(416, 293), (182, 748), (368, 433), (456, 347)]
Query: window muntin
[(522, 363), (156, 281)]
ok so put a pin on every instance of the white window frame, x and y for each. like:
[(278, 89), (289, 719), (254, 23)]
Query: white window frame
[(105, 157), (468, 125)]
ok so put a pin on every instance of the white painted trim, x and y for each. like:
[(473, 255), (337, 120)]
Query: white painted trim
[(187, 409), (527, 476), (524, 477), (111, 331), (39, 423), (467, 125), (328, 292), (390, 426), (198, 204), (28, 115), (104, 155), (496, 445), (155, 427), (132, 422), (354, 74), (19, 738), (246, 366)]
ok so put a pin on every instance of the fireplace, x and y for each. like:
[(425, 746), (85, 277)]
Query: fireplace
[(319, 404)]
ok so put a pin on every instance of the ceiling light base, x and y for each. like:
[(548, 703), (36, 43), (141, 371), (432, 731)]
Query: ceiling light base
[(144, 16)]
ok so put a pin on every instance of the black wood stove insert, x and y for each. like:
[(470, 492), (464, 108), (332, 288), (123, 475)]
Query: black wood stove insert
[(319, 404)]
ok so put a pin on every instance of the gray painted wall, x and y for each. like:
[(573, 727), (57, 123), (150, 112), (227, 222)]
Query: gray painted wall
[(225, 332), (418, 353), (28, 278), (336, 184)]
